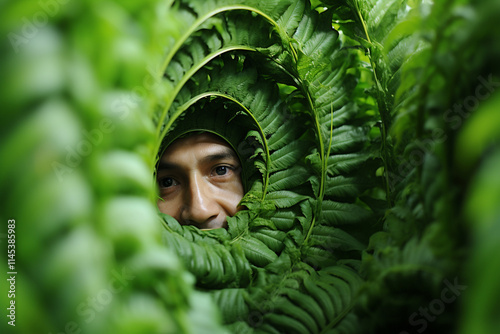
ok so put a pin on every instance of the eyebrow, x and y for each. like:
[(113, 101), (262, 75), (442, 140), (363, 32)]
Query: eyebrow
[(226, 153), (167, 165)]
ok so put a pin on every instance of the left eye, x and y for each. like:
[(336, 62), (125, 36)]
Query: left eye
[(221, 170)]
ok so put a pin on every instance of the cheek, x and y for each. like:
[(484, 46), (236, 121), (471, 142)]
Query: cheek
[(170, 208), (231, 197)]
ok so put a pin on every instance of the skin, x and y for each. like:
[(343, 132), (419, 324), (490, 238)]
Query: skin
[(199, 181)]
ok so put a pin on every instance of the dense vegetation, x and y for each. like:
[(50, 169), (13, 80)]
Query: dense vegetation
[(371, 143)]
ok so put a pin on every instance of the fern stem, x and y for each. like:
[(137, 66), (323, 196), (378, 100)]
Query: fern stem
[(362, 20), (188, 76), (322, 159), (310, 102), (337, 319), (201, 20), (383, 110), (323, 178), (322, 152)]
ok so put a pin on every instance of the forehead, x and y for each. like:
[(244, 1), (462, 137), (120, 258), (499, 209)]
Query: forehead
[(197, 144)]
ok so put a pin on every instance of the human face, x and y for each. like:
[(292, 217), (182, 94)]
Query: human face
[(199, 181)]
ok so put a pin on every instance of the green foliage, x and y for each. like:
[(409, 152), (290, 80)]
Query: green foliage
[(304, 218), (370, 157), (75, 145), (365, 177)]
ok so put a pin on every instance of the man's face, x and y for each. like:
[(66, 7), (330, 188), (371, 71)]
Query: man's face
[(199, 181)]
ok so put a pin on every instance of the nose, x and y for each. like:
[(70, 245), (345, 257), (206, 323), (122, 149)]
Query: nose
[(201, 207)]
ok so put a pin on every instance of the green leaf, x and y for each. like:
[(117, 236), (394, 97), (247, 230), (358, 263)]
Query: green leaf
[(286, 157), (273, 239), (285, 199), (231, 303), (288, 178), (334, 238), (256, 251), (338, 214)]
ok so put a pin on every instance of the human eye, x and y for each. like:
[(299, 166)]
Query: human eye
[(221, 170), (167, 182)]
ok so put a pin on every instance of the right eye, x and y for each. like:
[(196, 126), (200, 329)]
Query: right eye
[(167, 182)]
